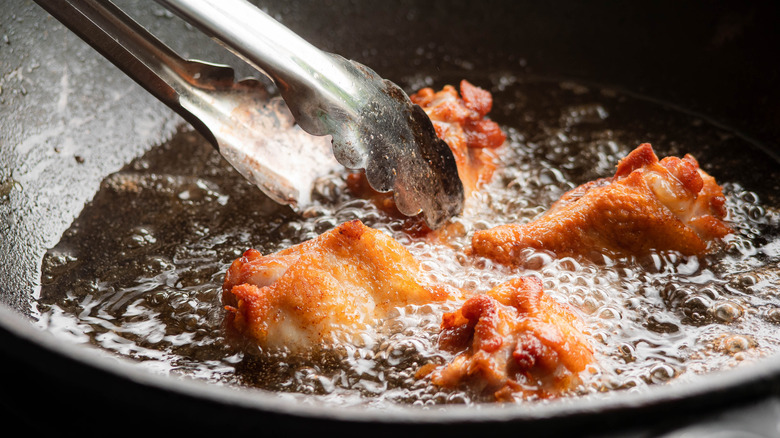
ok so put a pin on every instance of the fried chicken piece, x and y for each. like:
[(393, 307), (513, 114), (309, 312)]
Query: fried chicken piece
[(323, 291), (460, 121), (649, 204), (515, 339)]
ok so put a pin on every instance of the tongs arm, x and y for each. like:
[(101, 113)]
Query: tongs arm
[(312, 84), (252, 131), (152, 64)]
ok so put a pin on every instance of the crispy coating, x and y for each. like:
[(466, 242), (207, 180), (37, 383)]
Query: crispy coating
[(460, 121), (323, 291), (513, 340), (333, 288), (649, 204)]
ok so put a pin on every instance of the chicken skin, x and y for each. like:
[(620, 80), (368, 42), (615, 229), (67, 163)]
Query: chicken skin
[(648, 205), (323, 291), (333, 288), (460, 121), (513, 340)]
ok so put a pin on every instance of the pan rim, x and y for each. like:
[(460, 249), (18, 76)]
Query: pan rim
[(748, 381)]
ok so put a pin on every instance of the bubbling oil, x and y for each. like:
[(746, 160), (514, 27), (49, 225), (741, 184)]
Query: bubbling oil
[(139, 272)]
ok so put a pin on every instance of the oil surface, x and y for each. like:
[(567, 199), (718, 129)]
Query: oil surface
[(139, 272)]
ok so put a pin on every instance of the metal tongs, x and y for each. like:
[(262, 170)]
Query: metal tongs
[(373, 124)]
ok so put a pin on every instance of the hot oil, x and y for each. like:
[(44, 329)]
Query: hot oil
[(139, 273)]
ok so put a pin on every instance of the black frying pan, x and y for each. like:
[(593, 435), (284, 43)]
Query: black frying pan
[(68, 118)]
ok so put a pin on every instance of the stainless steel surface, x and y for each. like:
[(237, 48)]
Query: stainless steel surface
[(373, 123)]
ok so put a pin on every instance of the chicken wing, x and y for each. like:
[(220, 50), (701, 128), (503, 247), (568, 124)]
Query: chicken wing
[(513, 340), (649, 204), (460, 121), (323, 291)]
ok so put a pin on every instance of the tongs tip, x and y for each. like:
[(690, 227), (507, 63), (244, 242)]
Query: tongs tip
[(395, 142)]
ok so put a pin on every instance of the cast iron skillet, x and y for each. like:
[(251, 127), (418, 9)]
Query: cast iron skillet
[(69, 118)]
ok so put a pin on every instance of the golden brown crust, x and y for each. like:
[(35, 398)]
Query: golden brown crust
[(513, 340), (460, 121), (649, 204), (325, 290)]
